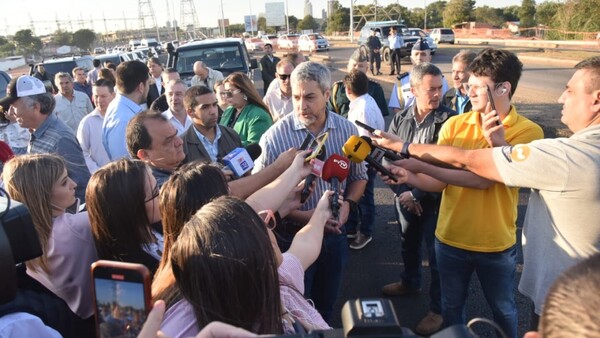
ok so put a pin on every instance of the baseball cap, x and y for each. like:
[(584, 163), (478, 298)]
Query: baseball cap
[(421, 45), (22, 86)]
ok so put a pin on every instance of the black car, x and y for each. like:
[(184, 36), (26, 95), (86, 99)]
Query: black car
[(63, 64)]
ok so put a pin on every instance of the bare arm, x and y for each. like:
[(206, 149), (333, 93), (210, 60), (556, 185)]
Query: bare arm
[(307, 242), (432, 178)]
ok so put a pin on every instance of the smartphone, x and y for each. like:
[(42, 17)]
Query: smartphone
[(491, 99), (364, 126), (320, 143), (121, 297)]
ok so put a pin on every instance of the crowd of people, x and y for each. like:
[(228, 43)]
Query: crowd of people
[(144, 152)]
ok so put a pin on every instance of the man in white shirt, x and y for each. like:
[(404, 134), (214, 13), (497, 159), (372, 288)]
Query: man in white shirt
[(364, 109), (89, 132), (205, 76), (176, 114), (280, 101), (395, 40), (71, 105)]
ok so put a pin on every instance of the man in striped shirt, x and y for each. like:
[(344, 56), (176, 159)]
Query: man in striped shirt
[(311, 83)]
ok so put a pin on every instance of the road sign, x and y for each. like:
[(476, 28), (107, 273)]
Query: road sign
[(250, 22)]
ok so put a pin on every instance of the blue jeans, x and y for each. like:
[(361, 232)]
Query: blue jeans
[(496, 273), (367, 209), (323, 278), (414, 229)]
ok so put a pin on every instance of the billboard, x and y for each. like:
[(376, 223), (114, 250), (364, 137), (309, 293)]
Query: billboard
[(275, 13), (251, 23), (223, 22)]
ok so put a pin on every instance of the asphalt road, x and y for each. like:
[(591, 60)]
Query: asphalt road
[(379, 263)]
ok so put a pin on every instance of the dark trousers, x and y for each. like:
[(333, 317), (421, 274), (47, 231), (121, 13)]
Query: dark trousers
[(375, 58), (395, 61)]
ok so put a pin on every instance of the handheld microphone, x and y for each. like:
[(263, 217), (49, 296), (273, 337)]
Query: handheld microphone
[(378, 152), (335, 171), (358, 150), (241, 160), (310, 178)]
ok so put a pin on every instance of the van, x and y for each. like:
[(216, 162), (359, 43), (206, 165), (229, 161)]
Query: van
[(133, 44), (151, 43), (440, 35), (384, 28)]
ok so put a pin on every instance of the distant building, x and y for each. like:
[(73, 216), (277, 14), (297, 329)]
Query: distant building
[(323, 14), (308, 10), (330, 7)]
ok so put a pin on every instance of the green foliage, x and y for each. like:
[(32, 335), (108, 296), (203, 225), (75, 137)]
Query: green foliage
[(6, 47), (511, 13), (493, 16), (546, 11), (293, 22), (262, 23), (458, 11), (308, 23), (235, 29), (339, 21), (27, 43), (415, 18), (435, 14), (61, 38), (84, 38), (527, 14)]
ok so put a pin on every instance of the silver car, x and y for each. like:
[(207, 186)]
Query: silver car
[(443, 35)]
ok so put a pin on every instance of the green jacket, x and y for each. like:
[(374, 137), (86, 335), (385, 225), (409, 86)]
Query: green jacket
[(340, 103), (252, 122)]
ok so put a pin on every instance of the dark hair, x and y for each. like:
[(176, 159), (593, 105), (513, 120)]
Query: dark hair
[(189, 100), (418, 73), (136, 135), (106, 73), (571, 307), (105, 83), (499, 65), (154, 60), (96, 63), (187, 190), (222, 254), (357, 82), (593, 66), (130, 74), (115, 202), (110, 65), (242, 81)]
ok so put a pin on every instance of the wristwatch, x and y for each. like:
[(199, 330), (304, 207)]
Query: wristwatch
[(404, 153)]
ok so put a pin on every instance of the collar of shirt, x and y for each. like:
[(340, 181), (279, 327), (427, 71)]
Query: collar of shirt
[(127, 102), (96, 112), (212, 148), (358, 101), (51, 120)]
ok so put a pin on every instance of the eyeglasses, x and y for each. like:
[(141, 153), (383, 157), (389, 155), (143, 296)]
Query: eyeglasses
[(283, 77), (229, 93), (155, 193), (207, 106), (479, 90), (269, 218)]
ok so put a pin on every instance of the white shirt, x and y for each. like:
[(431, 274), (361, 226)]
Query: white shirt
[(181, 128), (71, 112), (279, 105), (365, 109), (89, 135)]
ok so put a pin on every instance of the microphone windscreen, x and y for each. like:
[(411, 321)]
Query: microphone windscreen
[(336, 166), (356, 149), (254, 150)]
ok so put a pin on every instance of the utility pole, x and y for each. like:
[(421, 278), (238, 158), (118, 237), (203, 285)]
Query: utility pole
[(425, 21)]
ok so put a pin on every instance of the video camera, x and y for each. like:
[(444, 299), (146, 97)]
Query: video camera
[(376, 318)]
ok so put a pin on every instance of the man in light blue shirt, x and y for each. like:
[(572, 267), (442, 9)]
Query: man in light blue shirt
[(457, 98), (132, 87), (396, 42)]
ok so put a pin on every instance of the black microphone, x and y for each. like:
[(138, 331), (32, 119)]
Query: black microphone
[(254, 150), (377, 152), (310, 178), (335, 171)]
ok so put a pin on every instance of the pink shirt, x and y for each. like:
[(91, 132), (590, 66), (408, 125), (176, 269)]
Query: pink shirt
[(70, 253)]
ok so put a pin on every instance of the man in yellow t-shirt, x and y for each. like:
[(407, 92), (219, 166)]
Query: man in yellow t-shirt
[(476, 229)]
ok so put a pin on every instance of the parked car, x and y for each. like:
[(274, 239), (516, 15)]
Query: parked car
[(254, 44), (312, 42), (288, 41), (115, 58), (98, 50), (440, 35), (4, 80), (64, 64), (418, 32), (272, 39), (225, 55), (384, 28)]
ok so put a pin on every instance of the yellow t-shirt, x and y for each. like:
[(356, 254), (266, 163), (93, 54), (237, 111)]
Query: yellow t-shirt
[(475, 219)]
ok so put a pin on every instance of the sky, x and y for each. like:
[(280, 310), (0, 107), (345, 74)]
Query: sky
[(76, 14)]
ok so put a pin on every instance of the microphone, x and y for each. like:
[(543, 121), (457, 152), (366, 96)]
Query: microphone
[(317, 168), (358, 150), (335, 171), (378, 152), (241, 160)]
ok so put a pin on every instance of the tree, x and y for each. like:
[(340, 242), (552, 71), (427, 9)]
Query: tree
[(490, 15), (293, 22), (308, 23), (546, 11), (458, 11), (415, 17), (527, 14), (84, 38), (6, 48), (578, 16), (511, 13), (61, 38), (435, 14), (236, 29), (27, 43), (339, 21), (262, 23)]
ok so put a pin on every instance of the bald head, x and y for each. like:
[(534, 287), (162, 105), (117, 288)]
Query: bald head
[(200, 70)]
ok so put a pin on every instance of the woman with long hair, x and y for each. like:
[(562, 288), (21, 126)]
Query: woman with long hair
[(122, 202), (40, 182), (246, 114)]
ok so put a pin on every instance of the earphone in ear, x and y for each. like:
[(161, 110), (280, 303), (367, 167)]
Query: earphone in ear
[(503, 90)]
